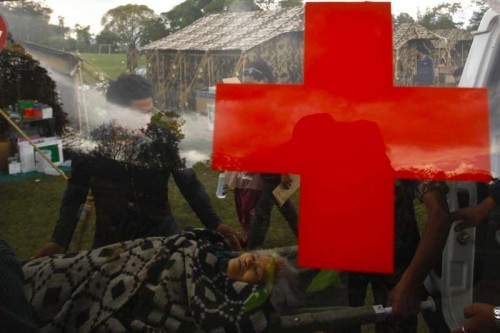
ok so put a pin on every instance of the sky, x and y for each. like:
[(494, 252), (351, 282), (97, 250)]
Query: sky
[(90, 12)]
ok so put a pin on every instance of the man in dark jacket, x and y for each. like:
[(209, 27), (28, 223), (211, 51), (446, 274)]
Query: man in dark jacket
[(127, 169), (425, 68)]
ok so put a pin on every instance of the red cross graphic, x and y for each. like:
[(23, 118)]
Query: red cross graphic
[(357, 133), (3, 32)]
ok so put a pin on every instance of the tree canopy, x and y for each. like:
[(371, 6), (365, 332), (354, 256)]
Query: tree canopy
[(189, 11), (441, 16), (134, 25), (128, 22)]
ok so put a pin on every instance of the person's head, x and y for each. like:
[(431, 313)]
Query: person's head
[(258, 71), (131, 91), (457, 74), (130, 100), (271, 270), (250, 267), (421, 51)]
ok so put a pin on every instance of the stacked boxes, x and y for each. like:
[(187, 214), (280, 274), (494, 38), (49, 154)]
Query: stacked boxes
[(27, 152)]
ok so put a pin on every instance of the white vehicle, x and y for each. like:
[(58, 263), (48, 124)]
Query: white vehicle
[(471, 272)]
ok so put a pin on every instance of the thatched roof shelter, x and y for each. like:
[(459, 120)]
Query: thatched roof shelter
[(453, 46), (408, 32), (406, 38), (216, 46)]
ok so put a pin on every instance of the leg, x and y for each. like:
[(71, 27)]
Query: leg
[(290, 214), (262, 217), (245, 201)]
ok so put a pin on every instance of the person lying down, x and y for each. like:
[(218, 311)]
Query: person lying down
[(183, 283)]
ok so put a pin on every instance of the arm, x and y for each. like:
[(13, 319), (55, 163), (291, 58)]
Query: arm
[(472, 216), (195, 194), (74, 196), (405, 298), (197, 197)]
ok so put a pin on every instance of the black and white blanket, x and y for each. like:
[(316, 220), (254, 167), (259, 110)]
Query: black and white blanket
[(156, 284)]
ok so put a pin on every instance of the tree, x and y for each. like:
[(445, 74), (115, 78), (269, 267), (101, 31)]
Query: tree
[(441, 16), (128, 23), (477, 15), (402, 18), (108, 37), (30, 8), (154, 29), (83, 37), (189, 11), (183, 14), (60, 29), (27, 20)]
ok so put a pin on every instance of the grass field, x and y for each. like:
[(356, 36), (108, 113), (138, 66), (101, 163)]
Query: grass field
[(111, 65), (30, 208)]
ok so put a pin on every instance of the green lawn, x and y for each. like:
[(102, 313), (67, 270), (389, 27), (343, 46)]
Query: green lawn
[(111, 65), (30, 208)]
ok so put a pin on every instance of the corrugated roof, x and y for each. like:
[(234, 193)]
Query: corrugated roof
[(232, 31), (410, 31), (450, 37)]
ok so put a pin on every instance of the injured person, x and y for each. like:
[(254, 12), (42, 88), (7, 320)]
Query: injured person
[(183, 283)]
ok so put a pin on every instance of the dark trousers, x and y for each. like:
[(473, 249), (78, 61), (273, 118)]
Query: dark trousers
[(262, 217), (246, 200)]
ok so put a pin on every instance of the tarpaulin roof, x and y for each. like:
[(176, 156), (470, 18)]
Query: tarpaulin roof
[(232, 31), (411, 31)]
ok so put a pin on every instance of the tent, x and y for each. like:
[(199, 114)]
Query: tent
[(406, 38), (451, 52), (217, 46)]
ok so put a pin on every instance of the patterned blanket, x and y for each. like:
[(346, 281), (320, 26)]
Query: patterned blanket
[(157, 284)]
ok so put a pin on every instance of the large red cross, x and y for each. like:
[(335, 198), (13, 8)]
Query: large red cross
[(357, 134), (3, 32)]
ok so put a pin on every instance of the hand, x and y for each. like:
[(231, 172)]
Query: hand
[(49, 249), (472, 216), (405, 301), (286, 180), (481, 319), (230, 234)]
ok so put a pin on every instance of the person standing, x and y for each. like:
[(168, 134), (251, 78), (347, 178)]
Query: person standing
[(259, 72), (128, 168), (413, 258), (247, 188), (425, 68)]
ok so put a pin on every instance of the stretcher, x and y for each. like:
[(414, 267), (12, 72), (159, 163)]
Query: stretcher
[(327, 310)]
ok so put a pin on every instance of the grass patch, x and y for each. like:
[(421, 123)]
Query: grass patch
[(110, 65), (30, 209)]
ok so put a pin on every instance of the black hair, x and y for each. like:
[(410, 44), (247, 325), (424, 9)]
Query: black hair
[(128, 88), (264, 68), (422, 49)]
